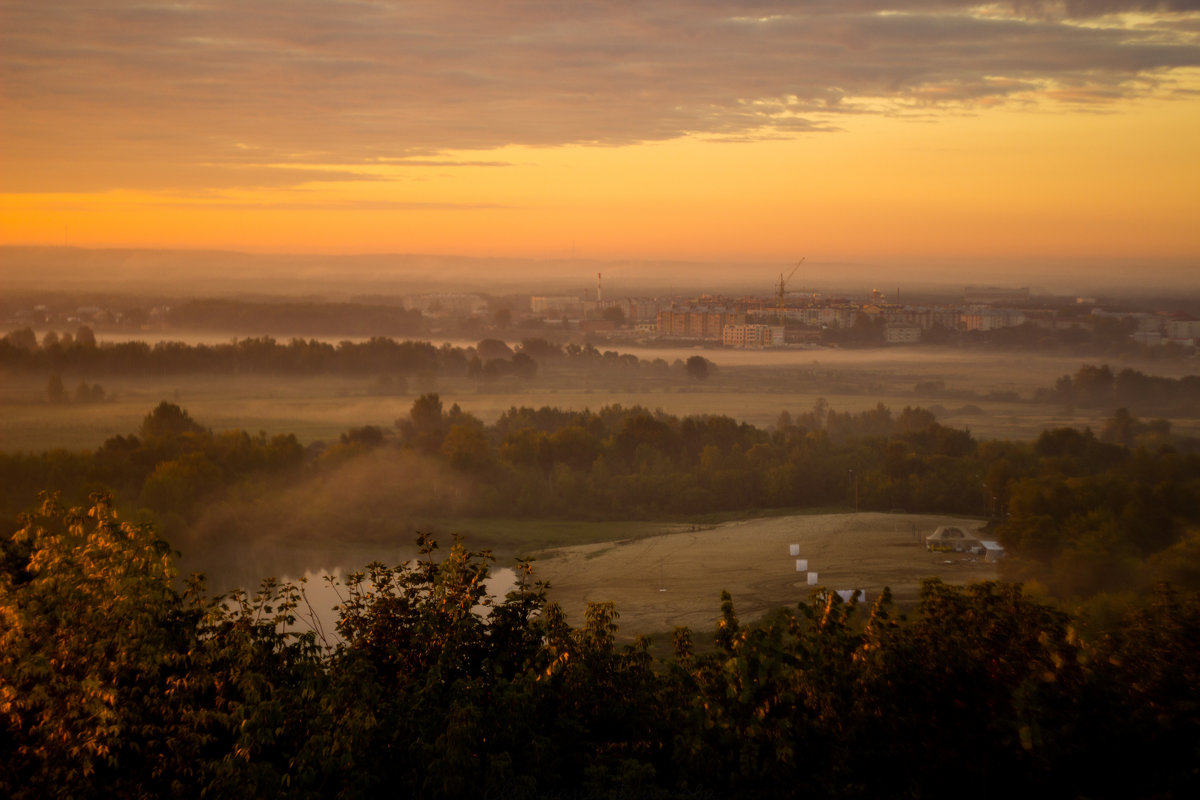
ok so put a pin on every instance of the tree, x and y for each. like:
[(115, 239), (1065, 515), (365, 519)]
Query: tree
[(698, 367), (113, 683), (527, 447), (178, 485), (496, 369), (1093, 386), (1120, 428), (367, 436), (168, 420), (22, 339), (425, 426), (448, 689), (89, 393), (615, 315), (466, 447), (492, 349), (575, 446), (523, 366), (93, 660), (55, 391), (540, 349)]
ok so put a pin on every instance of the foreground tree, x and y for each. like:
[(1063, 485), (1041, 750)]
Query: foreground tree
[(94, 645), (113, 684)]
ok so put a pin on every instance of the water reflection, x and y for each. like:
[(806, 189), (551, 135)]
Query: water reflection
[(322, 597)]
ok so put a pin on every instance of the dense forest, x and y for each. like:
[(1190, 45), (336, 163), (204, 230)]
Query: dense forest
[(114, 683)]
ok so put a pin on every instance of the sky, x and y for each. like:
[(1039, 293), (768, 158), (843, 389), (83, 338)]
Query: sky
[(934, 132)]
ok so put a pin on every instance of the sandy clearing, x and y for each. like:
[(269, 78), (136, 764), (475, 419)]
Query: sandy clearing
[(660, 582)]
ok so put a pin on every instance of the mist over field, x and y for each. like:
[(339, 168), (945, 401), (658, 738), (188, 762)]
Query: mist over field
[(689, 400), (368, 507)]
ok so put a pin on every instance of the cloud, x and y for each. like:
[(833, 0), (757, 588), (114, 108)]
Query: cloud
[(221, 204), (87, 175), (1088, 9), (93, 93)]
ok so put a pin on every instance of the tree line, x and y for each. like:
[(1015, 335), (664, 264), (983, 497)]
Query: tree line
[(115, 683), (1100, 386), (1081, 513), (388, 359)]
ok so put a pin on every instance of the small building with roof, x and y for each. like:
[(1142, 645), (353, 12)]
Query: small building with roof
[(951, 539), (992, 551)]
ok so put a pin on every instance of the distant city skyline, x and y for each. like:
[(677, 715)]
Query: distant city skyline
[(934, 140)]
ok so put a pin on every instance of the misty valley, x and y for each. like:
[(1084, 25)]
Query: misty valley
[(645, 400), (531, 530)]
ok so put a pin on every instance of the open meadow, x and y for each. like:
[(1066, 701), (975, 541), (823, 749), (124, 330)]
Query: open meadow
[(988, 393), (659, 575), (663, 581)]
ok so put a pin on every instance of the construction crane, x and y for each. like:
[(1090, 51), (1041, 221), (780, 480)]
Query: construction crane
[(781, 289)]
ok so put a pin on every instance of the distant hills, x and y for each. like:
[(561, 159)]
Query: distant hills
[(339, 277)]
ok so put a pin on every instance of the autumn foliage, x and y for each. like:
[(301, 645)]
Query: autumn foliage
[(114, 683)]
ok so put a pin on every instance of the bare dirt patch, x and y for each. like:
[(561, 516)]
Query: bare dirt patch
[(660, 582)]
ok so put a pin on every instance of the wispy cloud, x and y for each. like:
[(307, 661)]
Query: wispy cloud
[(201, 92), (100, 171), (222, 204)]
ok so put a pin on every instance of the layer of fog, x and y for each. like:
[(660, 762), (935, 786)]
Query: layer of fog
[(751, 386), (367, 508), (316, 532), (650, 349), (647, 349)]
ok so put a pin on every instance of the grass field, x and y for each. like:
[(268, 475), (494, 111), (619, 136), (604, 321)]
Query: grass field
[(662, 575), (659, 582), (509, 539), (291, 553)]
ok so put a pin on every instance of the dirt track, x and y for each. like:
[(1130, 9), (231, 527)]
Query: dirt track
[(675, 579)]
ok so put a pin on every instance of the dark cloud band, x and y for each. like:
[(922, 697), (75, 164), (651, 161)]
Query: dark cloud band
[(356, 82)]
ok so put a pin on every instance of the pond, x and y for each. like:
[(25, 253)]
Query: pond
[(323, 597)]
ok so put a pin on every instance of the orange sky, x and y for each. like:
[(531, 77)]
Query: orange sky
[(631, 134)]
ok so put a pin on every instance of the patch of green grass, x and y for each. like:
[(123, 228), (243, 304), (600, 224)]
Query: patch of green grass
[(516, 538)]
